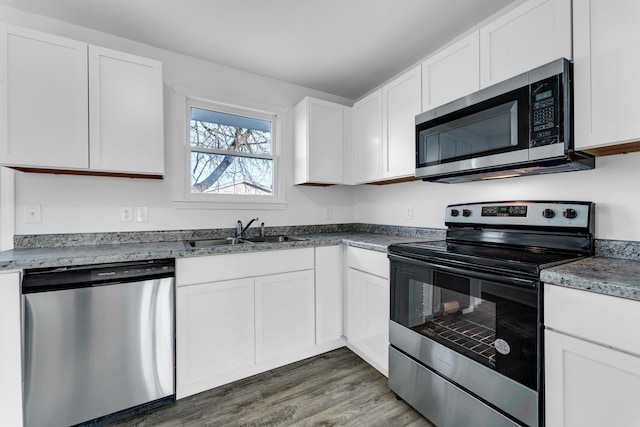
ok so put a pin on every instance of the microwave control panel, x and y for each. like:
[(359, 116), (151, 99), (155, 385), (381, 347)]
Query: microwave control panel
[(546, 110)]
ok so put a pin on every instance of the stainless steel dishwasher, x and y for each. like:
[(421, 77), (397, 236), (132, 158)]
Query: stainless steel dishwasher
[(98, 342)]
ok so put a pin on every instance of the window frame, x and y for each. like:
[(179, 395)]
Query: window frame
[(234, 201)]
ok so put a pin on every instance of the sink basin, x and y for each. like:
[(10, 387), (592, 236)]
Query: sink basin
[(207, 243), (273, 239)]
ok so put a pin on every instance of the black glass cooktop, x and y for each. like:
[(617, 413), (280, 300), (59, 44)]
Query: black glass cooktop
[(498, 258)]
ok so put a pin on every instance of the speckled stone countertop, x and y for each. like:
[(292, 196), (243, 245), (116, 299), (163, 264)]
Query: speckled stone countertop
[(615, 270), (609, 276), (65, 255)]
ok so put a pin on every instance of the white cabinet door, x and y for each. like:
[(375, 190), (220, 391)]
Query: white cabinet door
[(319, 142), (328, 275), (43, 100), (401, 102), (452, 73), (367, 139), (588, 384), (285, 315), (10, 356), (606, 72), (368, 317), (126, 113), (215, 332), (533, 34)]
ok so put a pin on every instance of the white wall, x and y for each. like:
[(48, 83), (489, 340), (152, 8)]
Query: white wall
[(91, 204), (614, 186)]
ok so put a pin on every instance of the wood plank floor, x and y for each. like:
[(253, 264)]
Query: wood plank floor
[(333, 389)]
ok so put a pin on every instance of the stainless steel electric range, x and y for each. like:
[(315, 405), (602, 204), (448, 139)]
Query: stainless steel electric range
[(466, 322)]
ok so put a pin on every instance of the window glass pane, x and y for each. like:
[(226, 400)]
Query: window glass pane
[(229, 174), (221, 131)]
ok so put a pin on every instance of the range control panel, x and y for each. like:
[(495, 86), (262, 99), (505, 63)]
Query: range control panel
[(522, 213)]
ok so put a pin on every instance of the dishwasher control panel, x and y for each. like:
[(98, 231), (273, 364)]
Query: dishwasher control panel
[(82, 276)]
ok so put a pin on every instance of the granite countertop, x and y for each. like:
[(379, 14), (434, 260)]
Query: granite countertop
[(608, 276), (107, 253), (606, 273)]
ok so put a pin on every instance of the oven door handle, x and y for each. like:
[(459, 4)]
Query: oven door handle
[(526, 283)]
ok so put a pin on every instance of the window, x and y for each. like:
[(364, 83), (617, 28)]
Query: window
[(232, 154)]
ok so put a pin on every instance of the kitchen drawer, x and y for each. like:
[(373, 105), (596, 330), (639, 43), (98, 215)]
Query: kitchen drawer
[(608, 320), (190, 271), (371, 262)]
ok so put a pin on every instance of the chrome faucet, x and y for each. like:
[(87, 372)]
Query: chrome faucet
[(240, 230)]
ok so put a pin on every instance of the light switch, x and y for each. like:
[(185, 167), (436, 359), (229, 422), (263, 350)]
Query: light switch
[(141, 214)]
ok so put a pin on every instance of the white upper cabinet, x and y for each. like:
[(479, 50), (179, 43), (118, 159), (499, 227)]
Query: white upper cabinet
[(533, 34), (384, 130), (401, 102), (320, 138), (43, 100), (367, 138), (126, 113), (606, 74), (66, 105), (451, 73)]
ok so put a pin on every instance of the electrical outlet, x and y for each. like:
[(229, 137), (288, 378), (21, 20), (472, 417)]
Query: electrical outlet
[(126, 214), (32, 214), (141, 214), (408, 212)]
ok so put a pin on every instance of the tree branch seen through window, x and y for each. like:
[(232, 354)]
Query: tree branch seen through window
[(230, 154)]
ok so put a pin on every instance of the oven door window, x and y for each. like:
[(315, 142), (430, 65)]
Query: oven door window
[(490, 322)]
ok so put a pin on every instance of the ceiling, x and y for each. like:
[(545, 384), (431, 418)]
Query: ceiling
[(342, 47)]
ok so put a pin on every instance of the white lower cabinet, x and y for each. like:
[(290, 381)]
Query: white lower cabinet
[(10, 356), (285, 315), (588, 384), (215, 329), (242, 314), (328, 293), (592, 359), (367, 307)]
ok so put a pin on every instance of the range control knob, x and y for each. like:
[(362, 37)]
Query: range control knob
[(548, 213), (466, 212), (569, 213), (455, 212)]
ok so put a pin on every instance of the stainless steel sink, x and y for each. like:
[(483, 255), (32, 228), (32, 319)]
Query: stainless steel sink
[(274, 239), (207, 243)]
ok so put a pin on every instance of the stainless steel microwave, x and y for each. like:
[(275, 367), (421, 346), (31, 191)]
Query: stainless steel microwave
[(522, 126)]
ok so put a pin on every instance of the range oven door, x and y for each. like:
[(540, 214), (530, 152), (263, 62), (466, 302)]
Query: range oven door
[(478, 330)]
